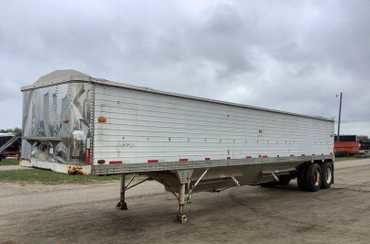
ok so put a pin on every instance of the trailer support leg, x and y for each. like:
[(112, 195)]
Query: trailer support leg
[(184, 177), (181, 216), (122, 202)]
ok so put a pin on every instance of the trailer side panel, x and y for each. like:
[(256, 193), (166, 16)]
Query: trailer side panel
[(137, 127)]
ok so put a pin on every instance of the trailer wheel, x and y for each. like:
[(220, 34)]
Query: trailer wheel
[(313, 178), (327, 175), (301, 177)]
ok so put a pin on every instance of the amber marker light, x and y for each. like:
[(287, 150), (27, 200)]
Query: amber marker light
[(102, 119)]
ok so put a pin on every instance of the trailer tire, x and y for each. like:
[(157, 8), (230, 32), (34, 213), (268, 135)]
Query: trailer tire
[(327, 175), (313, 179), (301, 177)]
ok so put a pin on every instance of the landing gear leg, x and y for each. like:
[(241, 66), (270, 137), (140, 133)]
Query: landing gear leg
[(181, 216), (122, 205), (184, 177)]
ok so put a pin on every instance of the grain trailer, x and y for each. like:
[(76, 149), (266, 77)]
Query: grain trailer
[(77, 124)]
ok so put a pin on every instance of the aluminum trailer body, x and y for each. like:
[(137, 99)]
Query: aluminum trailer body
[(77, 124)]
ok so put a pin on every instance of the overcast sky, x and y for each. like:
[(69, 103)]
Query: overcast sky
[(288, 55)]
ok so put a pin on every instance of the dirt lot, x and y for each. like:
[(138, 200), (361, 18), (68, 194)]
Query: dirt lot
[(86, 214)]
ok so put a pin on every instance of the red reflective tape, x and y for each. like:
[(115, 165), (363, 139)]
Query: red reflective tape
[(207, 159), (183, 160), (115, 162), (151, 161), (88, 156)]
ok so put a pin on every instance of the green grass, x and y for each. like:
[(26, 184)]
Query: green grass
[(9, 162), (50, 178)]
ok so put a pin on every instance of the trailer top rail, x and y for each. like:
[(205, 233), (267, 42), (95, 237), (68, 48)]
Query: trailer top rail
[(66, 76)]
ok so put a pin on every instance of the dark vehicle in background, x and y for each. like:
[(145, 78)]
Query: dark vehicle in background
[(10, 145), (348, 145), (364, 144)]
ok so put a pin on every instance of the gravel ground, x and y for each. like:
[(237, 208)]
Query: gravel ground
[(87, 214)]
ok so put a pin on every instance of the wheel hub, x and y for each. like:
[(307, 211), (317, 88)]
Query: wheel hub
[(328, 176), (317, 178)]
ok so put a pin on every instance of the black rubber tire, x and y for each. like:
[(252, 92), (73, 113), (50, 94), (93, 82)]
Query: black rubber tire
[(301, 177), (313, 177), (327, 175), (284, 180)]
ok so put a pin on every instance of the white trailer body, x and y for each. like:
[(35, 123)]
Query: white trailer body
[(143, 126), (79, 124)]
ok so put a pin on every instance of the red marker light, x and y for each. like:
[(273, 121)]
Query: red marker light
[(151, 161)]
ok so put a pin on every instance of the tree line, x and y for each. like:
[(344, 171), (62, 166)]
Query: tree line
[(16, 131)]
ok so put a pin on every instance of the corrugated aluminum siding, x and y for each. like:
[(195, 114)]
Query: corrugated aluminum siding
[(145, 126)]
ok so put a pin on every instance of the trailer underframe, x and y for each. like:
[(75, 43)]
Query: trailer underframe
[(185, 181)]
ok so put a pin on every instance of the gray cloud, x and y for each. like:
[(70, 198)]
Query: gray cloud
[(289, 55)]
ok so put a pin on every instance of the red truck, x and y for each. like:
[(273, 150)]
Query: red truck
[(347, 145)]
